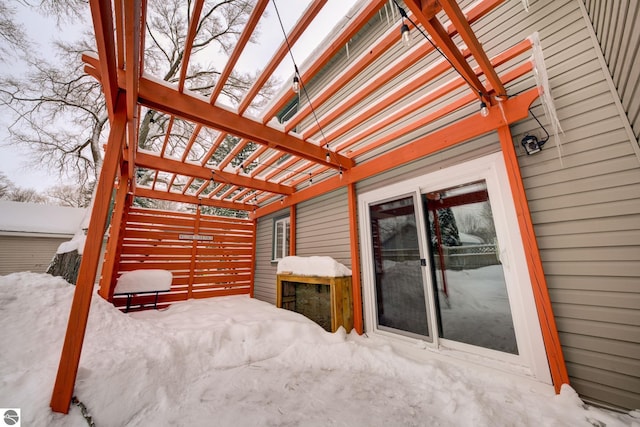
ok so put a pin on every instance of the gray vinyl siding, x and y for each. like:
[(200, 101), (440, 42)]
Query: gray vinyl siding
[(264, 285), (586, 213), (615, 24), (27, 253), (323, 227)]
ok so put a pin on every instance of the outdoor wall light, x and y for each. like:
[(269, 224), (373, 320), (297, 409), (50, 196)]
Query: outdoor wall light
[(531, 143)]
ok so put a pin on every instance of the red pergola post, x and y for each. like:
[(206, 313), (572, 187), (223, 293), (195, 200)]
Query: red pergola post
[(107, 280), (72, 347), (358, 323), (548, 327)]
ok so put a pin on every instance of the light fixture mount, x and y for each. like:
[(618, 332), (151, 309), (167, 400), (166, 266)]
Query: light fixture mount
[(530, 142)]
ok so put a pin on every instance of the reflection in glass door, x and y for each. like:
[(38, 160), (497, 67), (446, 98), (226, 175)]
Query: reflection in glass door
[(472, 301), (399, 285)]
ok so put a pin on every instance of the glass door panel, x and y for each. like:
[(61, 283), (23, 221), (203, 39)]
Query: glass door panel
[(399, 283), (472, 301)]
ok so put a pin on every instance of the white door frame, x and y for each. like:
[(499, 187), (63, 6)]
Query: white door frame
[(531, 359)]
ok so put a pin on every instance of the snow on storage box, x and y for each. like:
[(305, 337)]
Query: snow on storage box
[(322, 266), (317, 287), (138, 281)]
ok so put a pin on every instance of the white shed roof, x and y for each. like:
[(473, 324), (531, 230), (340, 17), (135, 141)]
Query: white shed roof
[(37, 218)]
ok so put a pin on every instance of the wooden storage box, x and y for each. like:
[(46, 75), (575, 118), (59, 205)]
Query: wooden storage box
[(325, 300)]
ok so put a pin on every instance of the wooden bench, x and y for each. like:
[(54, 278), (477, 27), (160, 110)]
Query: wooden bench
[(143, 282)]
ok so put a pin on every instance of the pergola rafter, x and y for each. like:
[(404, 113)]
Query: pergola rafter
[(306, 19), (151, 161)]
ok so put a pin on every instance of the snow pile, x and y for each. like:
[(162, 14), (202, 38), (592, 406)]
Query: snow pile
[(143, 281), (236, 361), (322, 266)]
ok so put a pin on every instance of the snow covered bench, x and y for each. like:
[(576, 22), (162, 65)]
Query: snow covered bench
[(140, 282)]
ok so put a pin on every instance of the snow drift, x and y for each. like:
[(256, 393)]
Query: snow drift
[(236, 361)]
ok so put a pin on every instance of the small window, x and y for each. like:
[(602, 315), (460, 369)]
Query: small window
[(281, 235)]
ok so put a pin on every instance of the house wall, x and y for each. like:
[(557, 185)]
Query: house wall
[(586, 212), (264, 278), (615, 24), (584, 196), (585, 203), (322, 229), (27, 253)]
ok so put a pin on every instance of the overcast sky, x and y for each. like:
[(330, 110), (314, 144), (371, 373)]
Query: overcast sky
[(15, 162)]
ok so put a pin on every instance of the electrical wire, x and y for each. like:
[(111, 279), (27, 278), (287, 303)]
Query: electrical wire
[(297, 73)]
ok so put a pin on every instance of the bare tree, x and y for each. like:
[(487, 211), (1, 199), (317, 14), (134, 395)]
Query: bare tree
[(10, 191), (12, 35), (27, 195), (60, 112), (70, 195), (6, 187)]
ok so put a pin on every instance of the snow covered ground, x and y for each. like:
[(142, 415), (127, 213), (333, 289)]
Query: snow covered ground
[(235, 361)]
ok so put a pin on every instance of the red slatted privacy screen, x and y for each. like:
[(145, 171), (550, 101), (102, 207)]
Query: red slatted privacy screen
[(207, 255)]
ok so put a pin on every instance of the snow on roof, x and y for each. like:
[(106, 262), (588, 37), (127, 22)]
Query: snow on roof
[(322, 266), (36, 218)]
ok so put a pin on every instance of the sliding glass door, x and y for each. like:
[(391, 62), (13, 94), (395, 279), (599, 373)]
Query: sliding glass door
[(444, 267), (473, 304), (400, 288)]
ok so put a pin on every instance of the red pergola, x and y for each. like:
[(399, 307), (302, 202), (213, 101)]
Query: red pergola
[(353, 148)]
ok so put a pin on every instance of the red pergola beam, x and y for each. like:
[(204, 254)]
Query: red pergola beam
[(192, 140), (219, 139), (373, 108), (185, 198), (380, 46), (76, 328), (515, 108), (352, 70), (430, 97), (459, 103), (244, 38), (161, 97), (132, 25), (441, 38), (194, 22), (232, 154), (354, 26), (464, 29), (101, 14)]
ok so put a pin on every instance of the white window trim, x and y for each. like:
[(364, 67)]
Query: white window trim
[(531, 360), (286, 220)]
